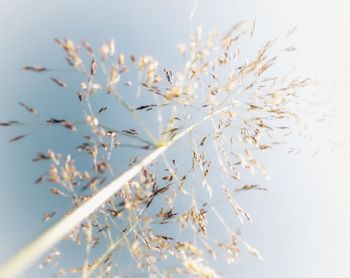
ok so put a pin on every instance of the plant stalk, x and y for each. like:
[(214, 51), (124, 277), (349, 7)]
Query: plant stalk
[(29, 254)]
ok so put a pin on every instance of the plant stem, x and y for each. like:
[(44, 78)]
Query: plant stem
[(48, 239)]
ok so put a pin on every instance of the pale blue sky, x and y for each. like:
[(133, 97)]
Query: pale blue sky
[(301, 224)]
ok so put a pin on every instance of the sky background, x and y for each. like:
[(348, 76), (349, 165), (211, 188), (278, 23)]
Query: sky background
[(301, 225)]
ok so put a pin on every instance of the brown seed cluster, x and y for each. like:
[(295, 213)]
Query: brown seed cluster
[(171, 211)]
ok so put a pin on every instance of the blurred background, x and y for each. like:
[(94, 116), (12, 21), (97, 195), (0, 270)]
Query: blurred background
[(301, 225)]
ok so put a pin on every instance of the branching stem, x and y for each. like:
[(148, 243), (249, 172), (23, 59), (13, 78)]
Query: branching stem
[(48, 239)]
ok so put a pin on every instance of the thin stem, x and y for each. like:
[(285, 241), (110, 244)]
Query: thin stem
[(48, 239)]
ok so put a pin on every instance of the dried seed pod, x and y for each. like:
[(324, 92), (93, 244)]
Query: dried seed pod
[(93, 67), (59, 82), (35, 68)]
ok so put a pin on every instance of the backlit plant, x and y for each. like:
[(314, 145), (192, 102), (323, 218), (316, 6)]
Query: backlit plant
[(194, 137)]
